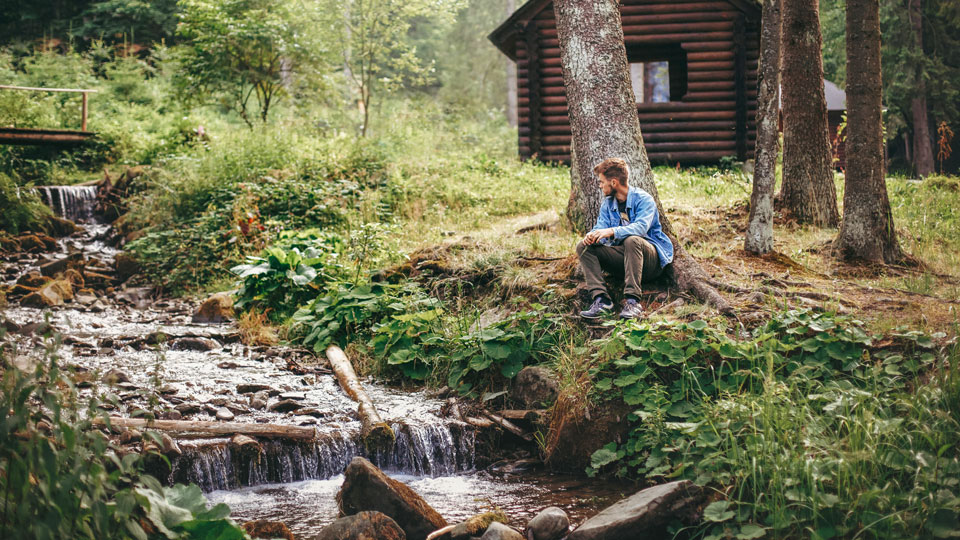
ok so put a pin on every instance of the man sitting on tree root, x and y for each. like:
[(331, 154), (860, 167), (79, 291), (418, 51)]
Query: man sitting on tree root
[(627, 240)]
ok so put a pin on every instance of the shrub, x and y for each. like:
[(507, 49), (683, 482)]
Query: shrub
[(22, 208)]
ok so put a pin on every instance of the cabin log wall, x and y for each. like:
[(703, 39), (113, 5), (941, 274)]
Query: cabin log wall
[(714, 119)]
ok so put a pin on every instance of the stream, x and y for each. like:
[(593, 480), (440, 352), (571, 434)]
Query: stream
[(161, 360)]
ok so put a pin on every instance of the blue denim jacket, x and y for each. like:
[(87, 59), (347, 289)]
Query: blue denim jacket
[(644, 222)]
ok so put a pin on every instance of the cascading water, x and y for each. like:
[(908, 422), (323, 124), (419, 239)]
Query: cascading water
[(421, 450), (75, 203)]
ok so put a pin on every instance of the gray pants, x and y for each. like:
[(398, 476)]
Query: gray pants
[(636, 260)]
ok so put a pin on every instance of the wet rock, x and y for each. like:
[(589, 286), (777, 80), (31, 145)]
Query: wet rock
[(188, 409), (516, 466), (194, 344), (550, 524), (224, 414), (34, 280), (115, 376), (58, 266), (171, 414), (155, 338), (644, 514), (130, 436), (499, 531), (127, 386), (259, 400), (85, 299), (74, 277), (535, 386), (60, 227), (97, 307), (138, 297), (248, 388), (473, 526), (310, 411), (9, 245), (168, 389), (246, 443), (228, 365), (167, 447), (210, 409), (262, 528), (54, 293), (96, 279), (217, 308), (236, 409), (11, 326), (363, 526), (126, 265), (21, 290), (286, 405), (293, 395), (365, 487), (218, 401), (35, 243)]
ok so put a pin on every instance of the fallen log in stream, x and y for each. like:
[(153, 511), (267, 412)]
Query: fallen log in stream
[(190, 429), (376, 434)]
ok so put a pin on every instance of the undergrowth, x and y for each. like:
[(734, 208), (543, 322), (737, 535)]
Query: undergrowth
[(808, 426)]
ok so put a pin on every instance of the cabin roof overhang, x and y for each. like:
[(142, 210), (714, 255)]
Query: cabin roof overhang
[(504, 36)]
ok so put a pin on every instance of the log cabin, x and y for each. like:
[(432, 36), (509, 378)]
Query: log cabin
[(693, 66)]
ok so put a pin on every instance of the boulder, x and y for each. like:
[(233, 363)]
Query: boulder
[(33, 243), (499, 531), (58, 266), (365, 487), (54, 293), (126, 265), (535, 386), (60, 227), (550, 524), (74, 277), (578, 430), (286, 405), (643, 514), (363, 526), (115, 376), (194, 344), (9, 245), (473, 526), (217, 308), (34, 279), (262, 528)]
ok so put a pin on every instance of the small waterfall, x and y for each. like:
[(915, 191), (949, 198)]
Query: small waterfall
[(429, 450), (75, 203)]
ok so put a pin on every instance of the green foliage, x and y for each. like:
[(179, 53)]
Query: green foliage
[(138, 21), (22, 208), (817, 425), (238, 49), (289, 274), (61, 477)]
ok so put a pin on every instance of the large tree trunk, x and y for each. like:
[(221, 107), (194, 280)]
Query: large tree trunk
[(511, 78), (922, 143), (604, 122), (759, 238), (867, 232), (808, 192)]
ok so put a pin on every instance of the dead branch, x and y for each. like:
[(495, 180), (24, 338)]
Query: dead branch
[(375, 432), (190, 429), (509, 426)]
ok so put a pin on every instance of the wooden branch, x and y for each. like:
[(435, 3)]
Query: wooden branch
[(30, 88), (190, 429), (509, 426), (375, 432)]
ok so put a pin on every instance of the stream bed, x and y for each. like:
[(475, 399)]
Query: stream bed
[(146, 351)]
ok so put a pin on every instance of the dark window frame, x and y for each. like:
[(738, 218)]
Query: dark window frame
[(673, 54)]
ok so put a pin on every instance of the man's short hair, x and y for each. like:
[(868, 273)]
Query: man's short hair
[(613, 168)]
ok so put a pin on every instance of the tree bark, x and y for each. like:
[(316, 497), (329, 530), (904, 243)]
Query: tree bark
[(759, 237), (808, 192), (375, 432), (188, 429), (867, 232), (922, 143), (511, 78), (604, 123)]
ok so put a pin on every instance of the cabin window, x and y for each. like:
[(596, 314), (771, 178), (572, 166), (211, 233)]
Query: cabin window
[(658, 74)]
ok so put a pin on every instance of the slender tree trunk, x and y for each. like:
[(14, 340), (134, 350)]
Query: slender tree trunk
[(808, 192), (867, 232), (604, 122), (511, 78), (759, 238), (922, 143), (649, 81)]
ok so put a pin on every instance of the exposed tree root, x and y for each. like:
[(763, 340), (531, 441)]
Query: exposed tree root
[(538, 227)]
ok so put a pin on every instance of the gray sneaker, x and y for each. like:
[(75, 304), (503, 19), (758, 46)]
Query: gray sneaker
[(631, 309), (597, 309)]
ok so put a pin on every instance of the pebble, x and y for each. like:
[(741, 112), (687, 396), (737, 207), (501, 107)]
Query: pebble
[(224, 414)]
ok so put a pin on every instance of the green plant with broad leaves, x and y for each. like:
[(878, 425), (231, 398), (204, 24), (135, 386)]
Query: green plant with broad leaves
[(812, 426), (62, 477), (288, 274)]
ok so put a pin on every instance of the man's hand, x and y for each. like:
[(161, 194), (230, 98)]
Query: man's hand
[(593, 237)]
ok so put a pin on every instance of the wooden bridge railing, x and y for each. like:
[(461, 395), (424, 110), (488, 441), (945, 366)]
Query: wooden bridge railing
[(83, 121)]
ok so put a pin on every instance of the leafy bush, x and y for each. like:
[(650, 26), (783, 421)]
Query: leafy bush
[(812, 421), (288, 274), (61, 477), (22, 208)]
